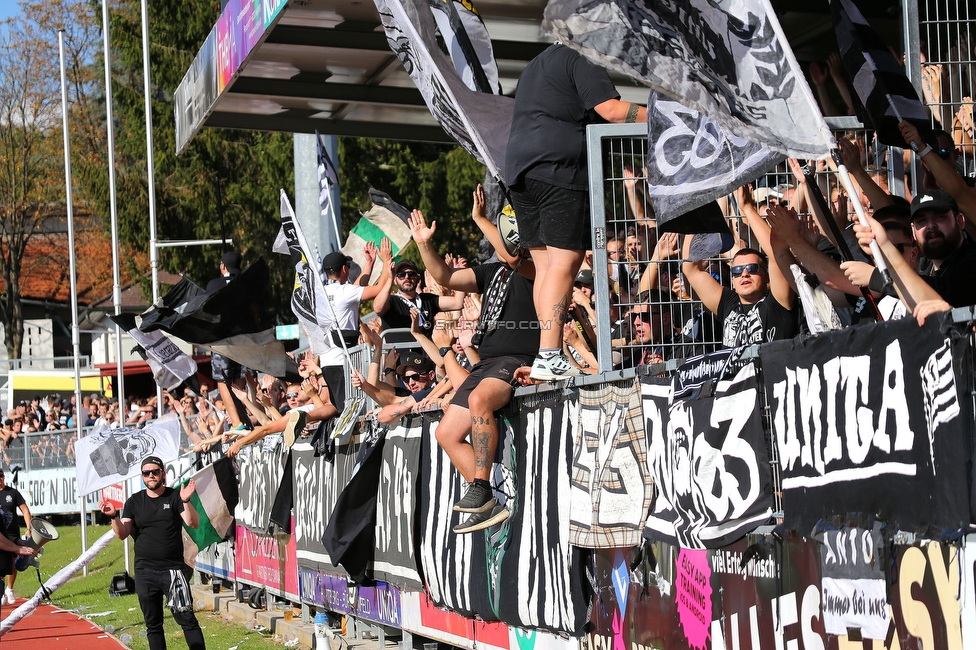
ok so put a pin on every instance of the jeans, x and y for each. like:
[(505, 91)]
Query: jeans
[(151, 586)]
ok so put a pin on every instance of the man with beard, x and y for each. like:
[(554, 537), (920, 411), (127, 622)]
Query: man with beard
[(154, 517), (938, 228), (394, 308)]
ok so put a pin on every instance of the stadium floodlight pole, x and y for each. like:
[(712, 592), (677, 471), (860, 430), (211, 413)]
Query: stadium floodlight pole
[(75, 341), (119, 387)]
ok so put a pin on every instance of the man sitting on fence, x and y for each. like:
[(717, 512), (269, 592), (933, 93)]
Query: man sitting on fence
[(509, 339)]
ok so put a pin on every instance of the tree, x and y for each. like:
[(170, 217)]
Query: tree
[(251, 166), (31, 173)]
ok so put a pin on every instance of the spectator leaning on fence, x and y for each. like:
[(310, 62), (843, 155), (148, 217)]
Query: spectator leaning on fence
[(759, 307)]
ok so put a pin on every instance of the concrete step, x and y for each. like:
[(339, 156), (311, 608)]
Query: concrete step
[(225, 603)]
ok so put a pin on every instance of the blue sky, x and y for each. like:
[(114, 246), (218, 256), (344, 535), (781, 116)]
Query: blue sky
[(8, 8)]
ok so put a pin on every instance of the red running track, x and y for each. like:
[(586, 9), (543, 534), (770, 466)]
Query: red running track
[(51, 628)]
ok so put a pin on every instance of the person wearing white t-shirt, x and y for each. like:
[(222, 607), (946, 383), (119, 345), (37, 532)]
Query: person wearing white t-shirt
[(345, 299)]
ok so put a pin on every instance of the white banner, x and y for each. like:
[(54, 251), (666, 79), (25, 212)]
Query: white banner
[(113, 455)]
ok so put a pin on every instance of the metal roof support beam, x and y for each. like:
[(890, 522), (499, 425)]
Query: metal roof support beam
[(414, 133)]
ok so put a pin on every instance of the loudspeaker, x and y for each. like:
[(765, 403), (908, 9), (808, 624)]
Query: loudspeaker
[(122, 585), (41, 532)]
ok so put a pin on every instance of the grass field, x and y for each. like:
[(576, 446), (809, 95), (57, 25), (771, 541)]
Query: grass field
[(88, 596)]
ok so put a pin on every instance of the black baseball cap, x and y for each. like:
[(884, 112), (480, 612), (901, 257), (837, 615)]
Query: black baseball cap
[(411, 359), (935, 200), (405, 264), (335, 261), (153, 460), (585, 277)]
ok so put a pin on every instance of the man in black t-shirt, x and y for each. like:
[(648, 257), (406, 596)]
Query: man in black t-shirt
[(759, 308), (154, 517), (394, 308), (11, 500), (509, 338), (939, 230), (559, 93)]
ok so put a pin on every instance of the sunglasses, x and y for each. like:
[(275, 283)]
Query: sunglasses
[(901, 247), (753, 269), (291, 395), (152, 472), (944, 153), (407, 274), (416, 376)]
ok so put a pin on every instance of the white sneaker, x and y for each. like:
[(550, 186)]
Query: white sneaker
[(555, 368), (9, 596)]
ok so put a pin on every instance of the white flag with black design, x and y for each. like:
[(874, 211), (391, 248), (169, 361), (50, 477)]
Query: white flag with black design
[(111, 456), (170, 365), (885, 94), (729, 61), (479, 122), (692, 160), (308, 300)]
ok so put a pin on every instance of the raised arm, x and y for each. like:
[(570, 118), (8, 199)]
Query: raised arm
[(488, 229), (852, 160), (386, 277), (444, 275), (369, 255), (707, 288), (944, 172)]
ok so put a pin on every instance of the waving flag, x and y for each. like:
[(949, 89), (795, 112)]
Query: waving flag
[(386, 219), (728, 61), (214, 500), (469, 43), (111, 456), (885, 93), (328, 178), (693, 160), (478, 121), (170, 365), (231, 321), (308, 300)]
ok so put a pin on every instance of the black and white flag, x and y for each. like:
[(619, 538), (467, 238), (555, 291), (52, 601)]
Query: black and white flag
[(879, 81), (479, 122), (328, 179), (308, 300), (872, 420), (111, 456), (709, 463), (170, 365), (468, 43), (692, 159), (728, 61), (232, 321)]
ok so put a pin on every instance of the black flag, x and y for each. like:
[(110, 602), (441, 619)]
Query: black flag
[(885, 93)]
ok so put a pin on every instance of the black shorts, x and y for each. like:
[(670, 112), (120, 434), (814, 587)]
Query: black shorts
[(497, 368), (552, 216)]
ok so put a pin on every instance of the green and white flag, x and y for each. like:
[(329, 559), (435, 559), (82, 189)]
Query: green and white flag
[(214, 500), (386, 218)]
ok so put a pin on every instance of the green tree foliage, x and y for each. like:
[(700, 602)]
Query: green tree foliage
[(435, 179), (252, 166)]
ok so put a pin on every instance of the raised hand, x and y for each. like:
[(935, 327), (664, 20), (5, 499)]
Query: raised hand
[(478, 208), (369, 253), (386, 250), (187, 490), (421, 232)]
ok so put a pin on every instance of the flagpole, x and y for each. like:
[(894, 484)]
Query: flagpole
[(75, 342), (150, 175), (119, 387)]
